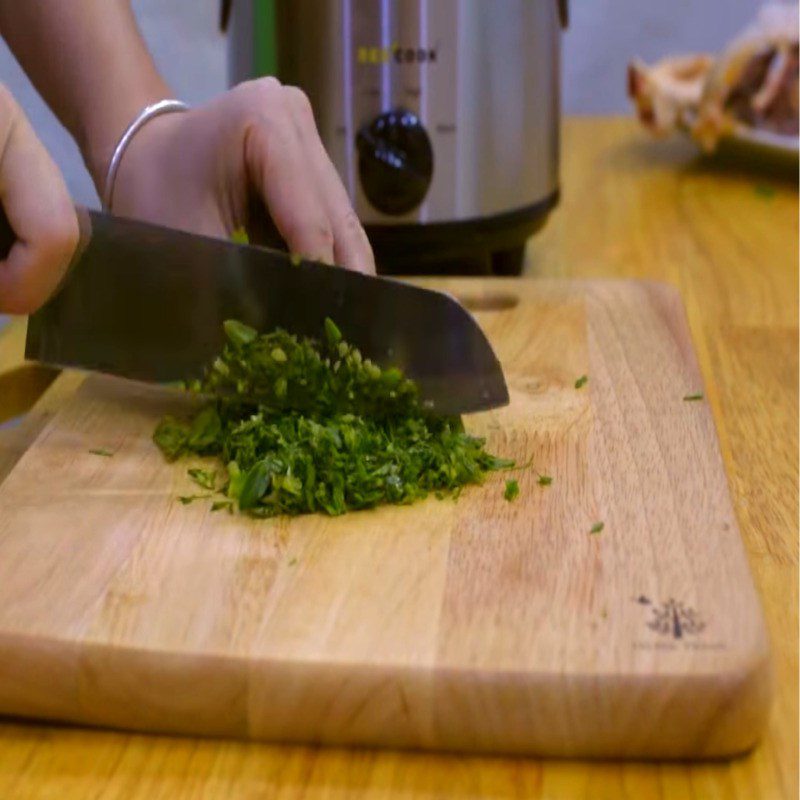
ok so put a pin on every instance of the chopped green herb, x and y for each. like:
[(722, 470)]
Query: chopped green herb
[(205, 478), (239, 236), (101, 451), (238, 333), (221, 505), (171, 436), (190, 498), (295, 259), (597, 527), (292, 562), (495, 463), (308, 425), (255, 484), (332, 332), (512, 490), (690, 397), (765, 191), (544, 480), (581, 381)]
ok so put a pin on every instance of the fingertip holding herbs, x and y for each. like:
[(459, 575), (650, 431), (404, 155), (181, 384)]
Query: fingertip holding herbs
[(305, 426)]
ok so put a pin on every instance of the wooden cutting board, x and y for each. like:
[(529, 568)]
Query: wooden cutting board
[(478, 625)]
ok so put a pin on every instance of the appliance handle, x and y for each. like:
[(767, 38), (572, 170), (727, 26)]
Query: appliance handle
[(224, 14), (563, 12)]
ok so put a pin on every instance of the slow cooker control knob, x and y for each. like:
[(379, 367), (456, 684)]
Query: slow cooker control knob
[(395, 161)]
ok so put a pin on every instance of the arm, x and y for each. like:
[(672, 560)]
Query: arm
[(198, 170), (88, 61)]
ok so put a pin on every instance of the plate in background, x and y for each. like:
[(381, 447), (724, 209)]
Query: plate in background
[(766, 140), (747, 143)]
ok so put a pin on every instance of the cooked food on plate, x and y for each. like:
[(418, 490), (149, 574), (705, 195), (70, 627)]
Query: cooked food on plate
[(752, 86)]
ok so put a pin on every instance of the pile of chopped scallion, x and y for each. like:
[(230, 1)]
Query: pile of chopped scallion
[(303, 426)]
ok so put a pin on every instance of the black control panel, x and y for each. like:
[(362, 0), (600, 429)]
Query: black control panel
[(395, 161)]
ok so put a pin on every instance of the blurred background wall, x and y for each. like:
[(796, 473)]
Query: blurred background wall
[(603, 36)]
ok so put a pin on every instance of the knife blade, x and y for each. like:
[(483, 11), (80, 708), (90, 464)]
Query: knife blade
[(147, 303)]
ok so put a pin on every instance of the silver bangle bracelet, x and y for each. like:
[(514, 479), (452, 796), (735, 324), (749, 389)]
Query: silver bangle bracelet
[(144, 116)]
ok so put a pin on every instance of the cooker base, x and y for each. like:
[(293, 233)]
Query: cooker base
[(484, 246)]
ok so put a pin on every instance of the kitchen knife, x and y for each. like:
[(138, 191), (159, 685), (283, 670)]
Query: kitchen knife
[(148, 303)]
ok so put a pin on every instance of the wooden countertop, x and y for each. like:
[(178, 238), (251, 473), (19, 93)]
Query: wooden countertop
[(728, 238)]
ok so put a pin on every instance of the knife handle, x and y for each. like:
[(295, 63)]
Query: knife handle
[(7, 235)]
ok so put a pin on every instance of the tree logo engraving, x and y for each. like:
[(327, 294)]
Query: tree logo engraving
[(673, 618)]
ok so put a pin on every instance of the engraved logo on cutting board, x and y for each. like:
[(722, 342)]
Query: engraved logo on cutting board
[(677, 625), (673, 618)]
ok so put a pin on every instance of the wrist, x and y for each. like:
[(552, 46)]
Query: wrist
[(104, 128), (147, 166), (143, 119)]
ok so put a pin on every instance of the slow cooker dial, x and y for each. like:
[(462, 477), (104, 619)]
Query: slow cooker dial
[(395, 161)]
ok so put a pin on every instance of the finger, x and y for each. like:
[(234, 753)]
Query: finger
[(277, 167), (351, 247), (288, 188), (350, 243), (39, 210)]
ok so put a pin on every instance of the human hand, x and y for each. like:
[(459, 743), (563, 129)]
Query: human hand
[(199, 171), (37, 205)]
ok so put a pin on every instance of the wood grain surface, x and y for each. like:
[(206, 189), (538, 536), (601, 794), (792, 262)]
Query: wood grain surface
[(727, 237), (477, 625)]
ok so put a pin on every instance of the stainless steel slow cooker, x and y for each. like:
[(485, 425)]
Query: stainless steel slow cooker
[(442, 116)]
